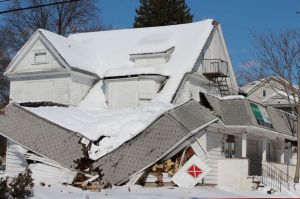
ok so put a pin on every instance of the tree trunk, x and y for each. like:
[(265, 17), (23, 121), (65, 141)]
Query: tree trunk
[(296, 178)]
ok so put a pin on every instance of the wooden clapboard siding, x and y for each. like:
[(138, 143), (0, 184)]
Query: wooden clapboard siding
[(49, 174), (15, 161), (80, 86), (213, 147), (54, 90)]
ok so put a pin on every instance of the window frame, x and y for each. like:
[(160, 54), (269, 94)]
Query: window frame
[(40, 53), (264, 93)]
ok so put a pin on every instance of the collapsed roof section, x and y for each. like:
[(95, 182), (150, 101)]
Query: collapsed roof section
[(40, 136), (157, 139)]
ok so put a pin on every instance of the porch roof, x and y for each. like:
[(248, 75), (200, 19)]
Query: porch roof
[(238, 113)]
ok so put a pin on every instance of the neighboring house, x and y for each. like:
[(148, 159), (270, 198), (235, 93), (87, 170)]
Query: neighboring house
[(132, 98), (270, 91)]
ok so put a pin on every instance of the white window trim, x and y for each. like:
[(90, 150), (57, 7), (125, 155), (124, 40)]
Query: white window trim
[(40, 53), (165, 54)]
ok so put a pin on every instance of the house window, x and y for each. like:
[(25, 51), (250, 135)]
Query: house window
[(264, 93), (229, 147), (40, 58)]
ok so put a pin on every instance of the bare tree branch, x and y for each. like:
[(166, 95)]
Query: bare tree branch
[(63, 19), (279, 55)]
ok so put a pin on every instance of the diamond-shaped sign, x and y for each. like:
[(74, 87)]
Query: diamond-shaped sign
[(194, 171), (190, 174)]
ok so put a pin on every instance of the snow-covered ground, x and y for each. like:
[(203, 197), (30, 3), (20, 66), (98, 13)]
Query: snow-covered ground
[(128, 192)]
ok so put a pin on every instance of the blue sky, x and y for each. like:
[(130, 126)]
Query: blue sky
[(238, 18)]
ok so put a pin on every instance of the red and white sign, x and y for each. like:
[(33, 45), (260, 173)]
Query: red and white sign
[(194, 171), (191, 173)]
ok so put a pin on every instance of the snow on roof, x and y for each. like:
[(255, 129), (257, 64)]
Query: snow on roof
[(229, 97), (153, 44), (107, 53), (116, 126), (113, 48), (95, 98), (76, 54)]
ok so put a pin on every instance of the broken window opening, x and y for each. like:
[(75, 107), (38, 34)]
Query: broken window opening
[(204, 102), (162, 171)]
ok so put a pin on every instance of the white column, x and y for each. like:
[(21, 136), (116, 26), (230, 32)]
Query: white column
[(282, 144), (264, 149), (244, 145)]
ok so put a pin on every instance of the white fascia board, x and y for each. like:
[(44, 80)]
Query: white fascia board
[(255, 129), (28, 45), (232, 74)]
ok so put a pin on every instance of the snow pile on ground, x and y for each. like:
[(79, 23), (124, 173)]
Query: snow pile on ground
[(128, 192), (116, 126)]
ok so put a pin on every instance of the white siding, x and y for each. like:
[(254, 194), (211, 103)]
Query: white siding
[(131, 92), (15, 161), (184, 94), (192, 87), (80, 86), (216, 50), (148, 61), (213, 147), (51, 175), (55, 90), (27, 63), (123, 93)]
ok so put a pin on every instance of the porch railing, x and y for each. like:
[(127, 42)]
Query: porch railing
[(274, 177)]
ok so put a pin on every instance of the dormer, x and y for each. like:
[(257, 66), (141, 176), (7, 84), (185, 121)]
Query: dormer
[(148, 59), (152, 50)]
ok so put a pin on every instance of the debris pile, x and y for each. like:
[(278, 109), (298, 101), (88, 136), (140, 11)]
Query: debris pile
[(170, 166)]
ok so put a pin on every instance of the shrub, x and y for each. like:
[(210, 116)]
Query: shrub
[(21, 186), (4, 189)]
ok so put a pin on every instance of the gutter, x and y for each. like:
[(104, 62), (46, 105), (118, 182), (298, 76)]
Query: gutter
[(255, 128)]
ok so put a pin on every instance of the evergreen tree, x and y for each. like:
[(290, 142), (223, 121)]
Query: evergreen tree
[(161, 13)]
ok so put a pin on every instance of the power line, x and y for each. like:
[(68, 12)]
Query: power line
[(39, 6)]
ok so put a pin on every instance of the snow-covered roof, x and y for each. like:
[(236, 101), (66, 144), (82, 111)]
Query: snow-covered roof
[(92, 120), (116, 126), (107, 53)]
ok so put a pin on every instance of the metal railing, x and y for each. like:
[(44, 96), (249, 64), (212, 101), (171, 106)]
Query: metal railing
[(215, 67), (274, 177)]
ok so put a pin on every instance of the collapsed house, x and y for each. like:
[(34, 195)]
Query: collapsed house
[(130, 105)]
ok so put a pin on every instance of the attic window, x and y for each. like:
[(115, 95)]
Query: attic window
[(40, 57), (151, 58), (264, 93)]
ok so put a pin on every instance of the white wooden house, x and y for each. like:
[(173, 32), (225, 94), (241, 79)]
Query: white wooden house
[(140, 63), (120, 84), (270, 91)]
